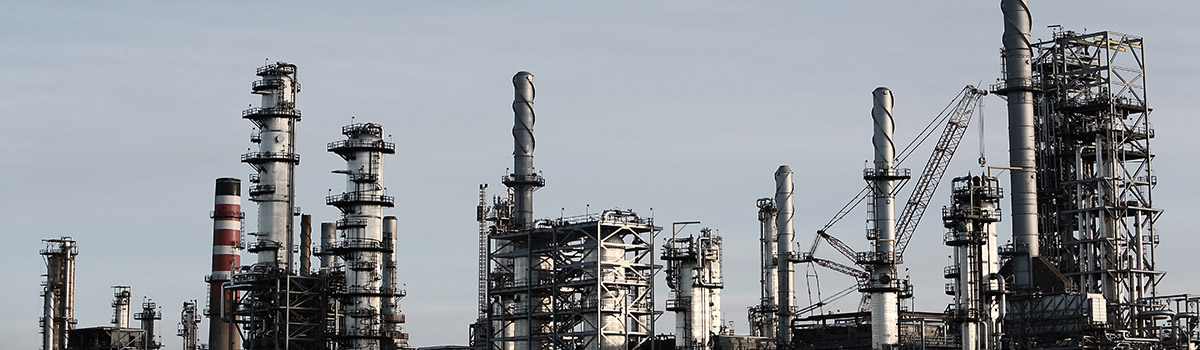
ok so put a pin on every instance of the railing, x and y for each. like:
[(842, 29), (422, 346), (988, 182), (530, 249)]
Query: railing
[(344, 223), (276, 69), (271, 111), (359, 197), (357, 244), (263, 156), (951, 288), (950, 271), (360, 128), (875, 258), (261, 189), (531, 179), (265, 84), (873, 173), (351, 145)]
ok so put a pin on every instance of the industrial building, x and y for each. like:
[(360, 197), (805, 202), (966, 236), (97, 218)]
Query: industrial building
[(1079, 273)]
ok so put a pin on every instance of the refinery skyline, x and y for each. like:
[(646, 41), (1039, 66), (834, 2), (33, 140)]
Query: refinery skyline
[(118, 119)]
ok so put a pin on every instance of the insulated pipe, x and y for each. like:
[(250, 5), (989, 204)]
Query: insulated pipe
[(227, 232), (523, 179), (783, 226), (1018, 86), (328, 239), (885, 317)]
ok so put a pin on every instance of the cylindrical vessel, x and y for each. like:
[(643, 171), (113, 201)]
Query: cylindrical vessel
[(275, 161), (1018, 81), (120, 306), (328, 239), (523, 145), (767, 213), (227, 242), (785, 230), (885, 316)]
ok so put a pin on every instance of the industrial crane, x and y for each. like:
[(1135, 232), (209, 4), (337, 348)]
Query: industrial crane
[(956, 117)]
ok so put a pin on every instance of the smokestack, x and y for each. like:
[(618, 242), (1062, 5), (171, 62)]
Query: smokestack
[(328, 240), (1018, 86), (523, 180), (884, 282), (227, 232), (785, 230), (305, 244)]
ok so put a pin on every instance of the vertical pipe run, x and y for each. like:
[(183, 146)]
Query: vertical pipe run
[(227, 232), (885, 318), (1018, 86), (784, 228)]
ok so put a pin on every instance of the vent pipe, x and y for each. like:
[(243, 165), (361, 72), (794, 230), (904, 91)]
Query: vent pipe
[(785, 230)]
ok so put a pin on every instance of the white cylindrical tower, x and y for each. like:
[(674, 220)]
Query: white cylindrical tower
[(884, 284), (363, 247), (275, 162), (785, 230), (227, 242), (694, 267), (120, 306), (1018, 87)]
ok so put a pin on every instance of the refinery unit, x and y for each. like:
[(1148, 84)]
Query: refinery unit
[(1078, 273)]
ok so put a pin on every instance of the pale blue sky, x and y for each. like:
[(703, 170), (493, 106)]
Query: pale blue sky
[(118, 116)]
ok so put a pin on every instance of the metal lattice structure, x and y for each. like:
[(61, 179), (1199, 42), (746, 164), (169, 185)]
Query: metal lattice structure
[(977, 286), (1094, 168), (597, 295)]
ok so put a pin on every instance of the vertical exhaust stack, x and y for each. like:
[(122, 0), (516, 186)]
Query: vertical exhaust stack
[(59, 292), (1018, 87), (305, 244), (884, 284), (227, 231), (363, 247), (275, 162), (120, 306), (784, 228), (523, 180)]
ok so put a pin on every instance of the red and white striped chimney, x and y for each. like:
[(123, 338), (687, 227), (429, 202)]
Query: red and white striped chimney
[(227, 232)]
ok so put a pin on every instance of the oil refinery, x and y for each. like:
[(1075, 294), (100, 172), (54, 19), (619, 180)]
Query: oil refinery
[(1071, 263)]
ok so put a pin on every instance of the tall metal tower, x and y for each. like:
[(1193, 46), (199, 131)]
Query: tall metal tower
[(1095, 189), (762, 316), (977, 287), (785, 232), (367, 300), (58, 292), (694, 276), (275, 161), (120, 306), (189, 326), (150, 313), (572, 283)]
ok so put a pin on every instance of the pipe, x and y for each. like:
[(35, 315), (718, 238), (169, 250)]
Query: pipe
[(1018, 86), (305, 244), (784, 228), (227, 235), (885, 317)]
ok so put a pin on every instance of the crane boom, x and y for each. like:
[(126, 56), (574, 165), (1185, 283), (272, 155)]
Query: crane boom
[(956, 125)]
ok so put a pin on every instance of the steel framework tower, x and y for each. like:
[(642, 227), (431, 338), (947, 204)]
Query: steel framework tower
[(762, 316), (977, 287), (58, 292), (150, 313), (694, 276), (1095, 188)]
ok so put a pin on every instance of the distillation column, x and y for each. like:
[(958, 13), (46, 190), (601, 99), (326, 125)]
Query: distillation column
[(884, 285), (150, 313), (275, 161), (363, 246), (977, 287), (328, 239), (1018, 87), (189, 326), (120, 306), (762, 316), (694, 275), (523, 182), (227, 231), (785, 231), (58, 292)]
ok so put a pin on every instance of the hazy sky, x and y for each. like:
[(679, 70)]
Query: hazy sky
[(118, 116)]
